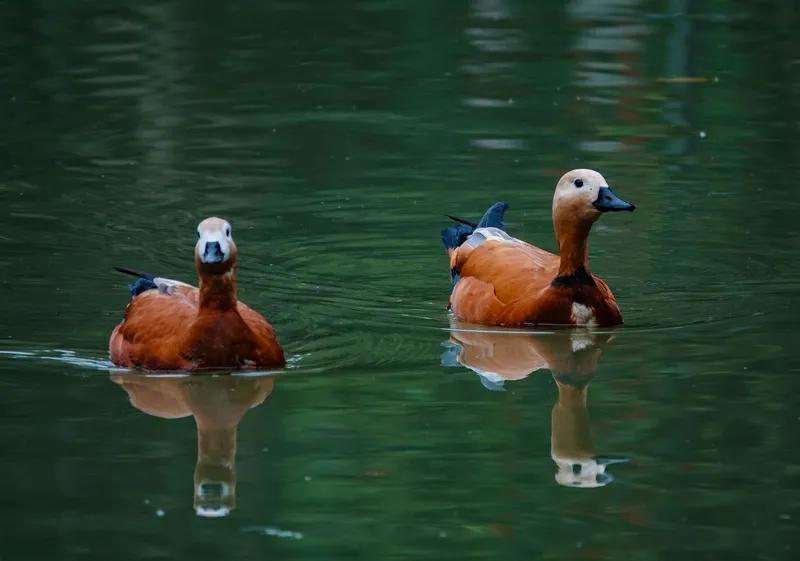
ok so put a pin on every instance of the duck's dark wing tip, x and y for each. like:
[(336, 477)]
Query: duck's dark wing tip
[(453, 236), (462, 221), (135, 273), (493, 217), (144, 282)]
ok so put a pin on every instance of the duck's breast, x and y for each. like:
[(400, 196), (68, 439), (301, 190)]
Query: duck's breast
[(590, 304), (235, 338), (266, 347)]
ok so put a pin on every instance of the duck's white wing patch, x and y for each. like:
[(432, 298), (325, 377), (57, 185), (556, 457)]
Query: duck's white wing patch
[(168, 286), (483, 235), (583, 315)]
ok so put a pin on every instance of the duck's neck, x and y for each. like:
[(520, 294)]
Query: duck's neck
[(214, 473), (573, 247), (572, 397), (218, 291), (570, 435), (216, 444)]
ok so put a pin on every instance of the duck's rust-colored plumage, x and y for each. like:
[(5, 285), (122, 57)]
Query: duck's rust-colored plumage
[(512, 283), (502, 280), (170, 325)]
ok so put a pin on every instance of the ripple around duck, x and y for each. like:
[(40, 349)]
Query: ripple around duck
[(320, 354), (83, 363), (62, 356)]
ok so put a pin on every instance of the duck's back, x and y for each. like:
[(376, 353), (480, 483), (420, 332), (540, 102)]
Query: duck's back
[(498, 277)]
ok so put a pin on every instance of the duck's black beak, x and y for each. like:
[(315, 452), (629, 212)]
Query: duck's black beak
[(608, 201), (213, 253)]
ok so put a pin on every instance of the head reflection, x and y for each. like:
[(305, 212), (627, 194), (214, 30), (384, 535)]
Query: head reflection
[(572, 356), (217, 404)]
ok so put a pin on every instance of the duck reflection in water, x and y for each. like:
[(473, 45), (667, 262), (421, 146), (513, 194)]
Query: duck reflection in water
[(498, 356), (217, 404)]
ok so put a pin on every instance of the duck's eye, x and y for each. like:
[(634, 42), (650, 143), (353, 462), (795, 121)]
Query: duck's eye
[(198, 234), (579, 183), (228, 232)]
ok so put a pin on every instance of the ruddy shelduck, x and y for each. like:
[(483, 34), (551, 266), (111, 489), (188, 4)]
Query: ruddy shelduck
[(170, 325), (501, 280)]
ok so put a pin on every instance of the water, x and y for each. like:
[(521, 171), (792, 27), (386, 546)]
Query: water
[(335, 136)]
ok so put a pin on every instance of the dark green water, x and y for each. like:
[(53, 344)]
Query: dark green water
[(334, 136)]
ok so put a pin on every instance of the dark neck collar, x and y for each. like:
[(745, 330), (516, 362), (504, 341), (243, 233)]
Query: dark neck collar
[(580, 277)]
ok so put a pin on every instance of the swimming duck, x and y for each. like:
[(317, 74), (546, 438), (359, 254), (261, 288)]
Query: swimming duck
[(170, 325), (501, 280)]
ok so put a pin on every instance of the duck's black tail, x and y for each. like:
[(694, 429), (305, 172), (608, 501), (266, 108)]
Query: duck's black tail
[(144, 282), (453, 236), (493, 217)]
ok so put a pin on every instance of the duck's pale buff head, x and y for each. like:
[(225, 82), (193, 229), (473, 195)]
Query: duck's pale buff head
[(215, 252), (582, 195)]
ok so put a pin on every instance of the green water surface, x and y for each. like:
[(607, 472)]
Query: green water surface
[(335, 136)]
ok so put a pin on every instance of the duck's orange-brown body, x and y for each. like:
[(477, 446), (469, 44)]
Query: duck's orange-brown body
[(171, 332), (512, 282), (170, 325)]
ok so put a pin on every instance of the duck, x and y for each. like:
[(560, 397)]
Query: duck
[(497, 279), (218, 404), (171, 325)]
